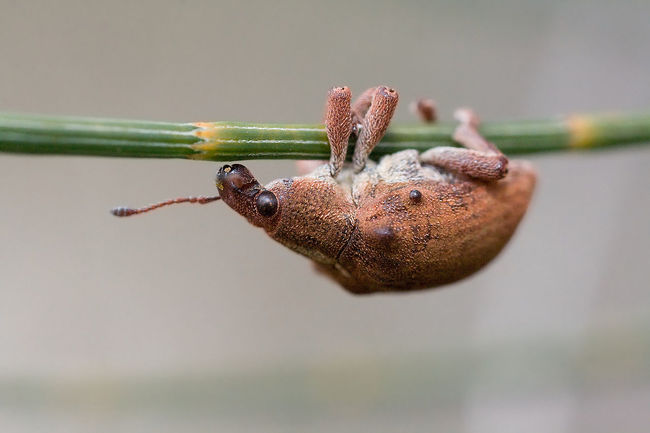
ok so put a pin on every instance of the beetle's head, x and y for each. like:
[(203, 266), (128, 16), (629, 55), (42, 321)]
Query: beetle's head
[(240, 190), (309, 214)]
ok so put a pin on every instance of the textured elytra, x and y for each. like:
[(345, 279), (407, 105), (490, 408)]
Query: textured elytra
[(454, 230)]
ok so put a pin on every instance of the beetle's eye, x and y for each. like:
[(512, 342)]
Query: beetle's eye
[(266, 203)]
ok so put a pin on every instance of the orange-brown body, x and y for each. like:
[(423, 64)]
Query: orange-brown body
[(371, 233)]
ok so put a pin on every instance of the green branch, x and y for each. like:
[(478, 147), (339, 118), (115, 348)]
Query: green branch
[(228, 141)]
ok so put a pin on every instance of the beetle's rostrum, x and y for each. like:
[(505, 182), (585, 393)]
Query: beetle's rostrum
[(409, 222)]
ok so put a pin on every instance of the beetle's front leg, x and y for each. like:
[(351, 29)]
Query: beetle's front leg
[(377, 113), (360, 108), (371, 114), (480, 159), (338, 123)]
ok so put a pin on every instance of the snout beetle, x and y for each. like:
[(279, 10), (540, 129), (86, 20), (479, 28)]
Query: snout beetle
[(409, 222)]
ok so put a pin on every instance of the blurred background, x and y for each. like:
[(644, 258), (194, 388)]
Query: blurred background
[(189, 319)]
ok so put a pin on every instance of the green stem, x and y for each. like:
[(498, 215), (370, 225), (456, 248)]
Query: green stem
[(228, 141)]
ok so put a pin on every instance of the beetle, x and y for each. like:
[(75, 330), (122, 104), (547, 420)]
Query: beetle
[(409, 222)]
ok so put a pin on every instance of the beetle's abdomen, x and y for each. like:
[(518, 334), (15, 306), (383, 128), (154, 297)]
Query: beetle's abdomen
[(413, 236)]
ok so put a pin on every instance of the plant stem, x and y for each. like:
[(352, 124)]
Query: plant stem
[(228, 141)]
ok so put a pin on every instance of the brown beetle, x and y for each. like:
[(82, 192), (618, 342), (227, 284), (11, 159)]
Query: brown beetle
[(411, 221)]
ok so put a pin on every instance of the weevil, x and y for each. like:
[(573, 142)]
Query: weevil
[(411, 221)]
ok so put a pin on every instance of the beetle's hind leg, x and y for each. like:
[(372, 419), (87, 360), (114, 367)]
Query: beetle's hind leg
[(425, 109), (480, 159), (360, 108)]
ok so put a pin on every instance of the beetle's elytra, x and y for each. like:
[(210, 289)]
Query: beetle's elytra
[(412, 221), (409, 222)]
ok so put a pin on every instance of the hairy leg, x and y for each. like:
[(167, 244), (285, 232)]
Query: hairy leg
[(374, 124), (480, 159), (338, 123), (360, 107)]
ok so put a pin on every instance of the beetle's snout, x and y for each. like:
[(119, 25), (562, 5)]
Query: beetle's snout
[(237, 178)]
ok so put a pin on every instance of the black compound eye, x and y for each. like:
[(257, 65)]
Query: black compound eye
[(266, 203)]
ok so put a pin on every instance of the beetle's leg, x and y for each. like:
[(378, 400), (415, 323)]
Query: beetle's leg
[(467, 134), (338, 123), (480, 159), (472, 163), (425, 109), (360, 108), (374, 123)]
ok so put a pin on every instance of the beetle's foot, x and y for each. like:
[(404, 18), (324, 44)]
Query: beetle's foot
[(480, 159), (425, 109), (376, 118)]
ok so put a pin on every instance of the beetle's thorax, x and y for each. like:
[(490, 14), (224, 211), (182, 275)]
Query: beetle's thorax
[(316, 217), (318, 213)]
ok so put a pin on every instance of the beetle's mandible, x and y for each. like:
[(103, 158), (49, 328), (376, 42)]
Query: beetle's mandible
[(409, 222)]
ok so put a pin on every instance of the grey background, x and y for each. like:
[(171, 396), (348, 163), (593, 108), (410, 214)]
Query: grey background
[(189, 319)]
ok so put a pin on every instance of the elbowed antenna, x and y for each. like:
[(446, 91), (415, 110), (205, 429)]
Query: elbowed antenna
[(126, 211)]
